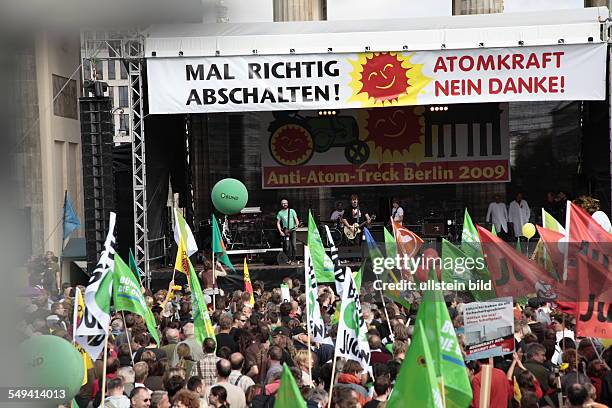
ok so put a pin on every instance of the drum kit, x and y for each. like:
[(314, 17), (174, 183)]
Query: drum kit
[(245, 230)]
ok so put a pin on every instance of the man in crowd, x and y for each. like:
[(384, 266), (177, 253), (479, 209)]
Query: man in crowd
[(140, 398), (235, 394)]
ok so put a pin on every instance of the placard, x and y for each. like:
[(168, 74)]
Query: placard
[(488, 328)]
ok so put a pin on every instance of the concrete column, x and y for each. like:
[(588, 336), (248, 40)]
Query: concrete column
[(299, 10)]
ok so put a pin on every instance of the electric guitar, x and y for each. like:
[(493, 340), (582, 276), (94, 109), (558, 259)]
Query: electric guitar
[(288, 231), (352, 234)]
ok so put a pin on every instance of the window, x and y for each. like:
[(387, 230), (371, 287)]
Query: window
[(111, 94), (111, 69), (123, 70), (86, 69), (65, 104), (123, 96), (124, 120)]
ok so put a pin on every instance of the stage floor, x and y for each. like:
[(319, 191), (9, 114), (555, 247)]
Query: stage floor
[(271, 275)]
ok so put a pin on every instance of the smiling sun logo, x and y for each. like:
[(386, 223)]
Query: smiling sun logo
[(386, 78), (395, 134)]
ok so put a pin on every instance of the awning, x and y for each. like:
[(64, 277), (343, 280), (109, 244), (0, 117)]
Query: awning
[(75, 249), (82, 265), (455, 32)]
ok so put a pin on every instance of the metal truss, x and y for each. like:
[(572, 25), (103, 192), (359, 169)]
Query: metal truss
[(128, 46)]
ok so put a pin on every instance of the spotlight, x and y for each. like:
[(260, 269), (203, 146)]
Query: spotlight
[(446, 108), (431, 108)]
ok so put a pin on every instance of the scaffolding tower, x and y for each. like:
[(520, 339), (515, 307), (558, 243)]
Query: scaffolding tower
[(128, 47)]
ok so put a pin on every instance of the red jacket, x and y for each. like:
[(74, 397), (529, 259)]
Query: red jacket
[(502, 389)]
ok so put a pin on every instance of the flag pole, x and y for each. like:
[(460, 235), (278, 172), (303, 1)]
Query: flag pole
[(308, 323), (387, 315), (214, 282), (127, 334), (105, 359), (331, 385), (485, 388)]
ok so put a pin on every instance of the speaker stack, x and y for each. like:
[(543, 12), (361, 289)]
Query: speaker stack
[(98, 184)]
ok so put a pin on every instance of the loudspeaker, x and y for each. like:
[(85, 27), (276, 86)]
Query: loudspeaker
[(98, 180)]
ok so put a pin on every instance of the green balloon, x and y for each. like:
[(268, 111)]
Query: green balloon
[(229, 196), (50, 362)]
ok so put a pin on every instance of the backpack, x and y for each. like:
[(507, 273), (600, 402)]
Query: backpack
[(263, 401)]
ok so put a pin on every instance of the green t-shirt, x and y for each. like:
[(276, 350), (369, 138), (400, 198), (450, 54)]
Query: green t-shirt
[(282, 216)]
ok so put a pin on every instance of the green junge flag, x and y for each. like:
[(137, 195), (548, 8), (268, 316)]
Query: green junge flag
[(416, 384), (127, 295)]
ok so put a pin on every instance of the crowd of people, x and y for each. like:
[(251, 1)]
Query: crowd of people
[(241, 366)]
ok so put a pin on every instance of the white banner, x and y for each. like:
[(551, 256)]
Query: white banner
[(339, 271), (352, 339), (96, 317), (334, 81), (316, 326)]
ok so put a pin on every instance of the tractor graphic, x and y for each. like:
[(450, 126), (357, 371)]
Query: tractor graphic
[(294, 138)]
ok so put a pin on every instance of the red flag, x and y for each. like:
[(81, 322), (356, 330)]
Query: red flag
[(515, 275), (587, 237), (408, 243), (556, 247), (594, 315)]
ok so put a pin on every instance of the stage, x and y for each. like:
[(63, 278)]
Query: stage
[(271, 275)]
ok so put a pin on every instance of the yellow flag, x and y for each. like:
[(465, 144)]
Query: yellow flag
[(247, 282), (79, 307), (182, 260)]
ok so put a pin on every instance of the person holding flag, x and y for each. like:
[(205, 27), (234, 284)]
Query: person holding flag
[(247, 283)]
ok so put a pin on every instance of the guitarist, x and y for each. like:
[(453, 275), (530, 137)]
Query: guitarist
[(286, 222), (355, 216)]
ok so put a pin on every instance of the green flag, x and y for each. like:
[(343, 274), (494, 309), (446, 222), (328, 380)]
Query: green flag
[(470, 246), (218, 247), (201, 320), (493, 230), (457, 266), (127, 295), (518, 246), (323, 265), (134, 267), (288, 394), (416, 384), (446, 353), (389, 276)]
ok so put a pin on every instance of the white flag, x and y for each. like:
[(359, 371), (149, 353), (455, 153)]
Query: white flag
[(352, 339), (182, 230), (339, 271), (92, 330), (316, 326)]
